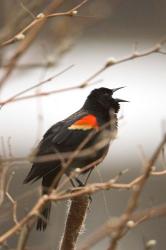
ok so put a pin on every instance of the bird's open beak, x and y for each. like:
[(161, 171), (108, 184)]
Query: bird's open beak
[(114, 90), (119, 100)]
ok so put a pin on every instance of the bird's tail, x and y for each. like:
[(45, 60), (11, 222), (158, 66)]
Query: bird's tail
[(44, 217), (42, 221)]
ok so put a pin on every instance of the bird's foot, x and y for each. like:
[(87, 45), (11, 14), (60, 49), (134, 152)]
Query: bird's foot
[(80, 183)]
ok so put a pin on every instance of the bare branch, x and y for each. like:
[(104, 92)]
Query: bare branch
[(111, 62), (10, 198)]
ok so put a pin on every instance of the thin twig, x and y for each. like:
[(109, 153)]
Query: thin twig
[(10, 198), (13, 98), (109, 63)]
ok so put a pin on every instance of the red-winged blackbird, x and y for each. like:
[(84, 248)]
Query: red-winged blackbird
[(93, 126)]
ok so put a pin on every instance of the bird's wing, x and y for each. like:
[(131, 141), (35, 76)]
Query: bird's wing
[(52, 137), (67, 135), (64, 136)]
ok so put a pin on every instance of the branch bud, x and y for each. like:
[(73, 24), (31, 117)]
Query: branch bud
[(77, 170), (111, 61), (130, 224), (20, 37), (158, 47), (50, 61), (40, 16), (73, 12), (150, 244)]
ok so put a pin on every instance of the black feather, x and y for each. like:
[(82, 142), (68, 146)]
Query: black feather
[(45, 214)]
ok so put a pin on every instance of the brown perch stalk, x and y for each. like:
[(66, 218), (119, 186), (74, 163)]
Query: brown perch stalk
[(74, 222)]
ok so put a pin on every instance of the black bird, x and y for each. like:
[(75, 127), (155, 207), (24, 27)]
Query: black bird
[(91, 128)]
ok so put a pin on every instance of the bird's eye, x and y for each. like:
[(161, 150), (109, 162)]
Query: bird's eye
[(107, 95)]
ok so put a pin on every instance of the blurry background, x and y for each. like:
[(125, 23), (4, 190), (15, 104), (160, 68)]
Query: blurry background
[(108, 28)]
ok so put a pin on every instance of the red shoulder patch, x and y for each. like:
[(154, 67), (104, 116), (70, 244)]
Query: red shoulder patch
[(85, 123)]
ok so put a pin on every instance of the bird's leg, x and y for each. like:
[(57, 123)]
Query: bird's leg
[(84, 184), (89, 173), (72, 182), (80, 183)]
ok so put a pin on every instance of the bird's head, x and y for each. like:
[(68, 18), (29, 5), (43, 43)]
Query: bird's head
[(103, 98)]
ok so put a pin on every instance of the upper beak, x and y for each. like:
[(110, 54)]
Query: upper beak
[(114, 90), (119, 100)]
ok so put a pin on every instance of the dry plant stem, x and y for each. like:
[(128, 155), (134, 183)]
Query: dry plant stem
[(35, 28), (111, 62), (75, 221), (24, 235)]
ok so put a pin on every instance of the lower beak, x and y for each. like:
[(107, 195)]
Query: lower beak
[(120, 100)]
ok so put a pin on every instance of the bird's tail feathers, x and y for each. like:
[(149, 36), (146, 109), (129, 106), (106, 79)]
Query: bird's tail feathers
[(44, 217), (46, 209), (32, 176)]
